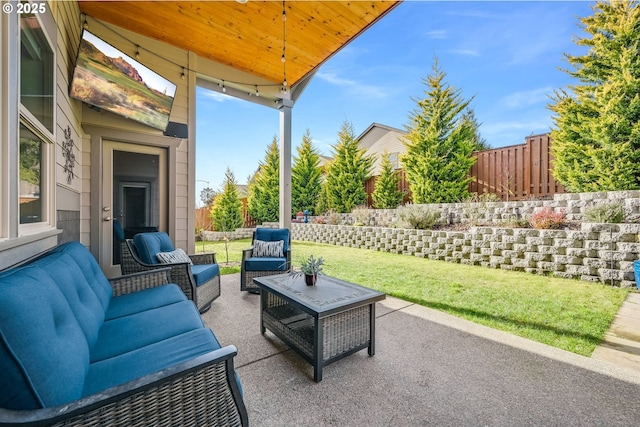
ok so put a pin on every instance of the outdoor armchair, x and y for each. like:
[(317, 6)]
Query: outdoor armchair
[(270, 253), (197, 275)]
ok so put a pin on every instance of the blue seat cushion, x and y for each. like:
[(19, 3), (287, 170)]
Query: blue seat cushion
[(202, 273), (124, 334), (273, 235), (149, 244), (149, 359), (265, 264), (44, 353), (147, 299)]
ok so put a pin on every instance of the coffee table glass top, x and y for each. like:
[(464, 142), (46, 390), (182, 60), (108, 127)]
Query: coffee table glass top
[(328, 294)]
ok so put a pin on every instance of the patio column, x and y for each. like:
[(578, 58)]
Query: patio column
[(285, 106)]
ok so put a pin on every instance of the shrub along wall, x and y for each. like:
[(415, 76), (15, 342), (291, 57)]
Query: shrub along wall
[(575, 205)]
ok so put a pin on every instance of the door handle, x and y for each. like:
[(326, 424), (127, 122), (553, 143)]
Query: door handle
[(107, 218)]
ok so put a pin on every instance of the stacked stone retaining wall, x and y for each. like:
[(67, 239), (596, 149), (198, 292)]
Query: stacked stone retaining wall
[(596, 253)]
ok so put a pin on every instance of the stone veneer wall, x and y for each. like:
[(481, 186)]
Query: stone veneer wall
[(574, 204), (596, 253)]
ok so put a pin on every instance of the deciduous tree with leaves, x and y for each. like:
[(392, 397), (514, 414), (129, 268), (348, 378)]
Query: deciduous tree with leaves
[(386, 194), (440, 139), (348, 172), (306, 176), (596, 137), (264, 190)]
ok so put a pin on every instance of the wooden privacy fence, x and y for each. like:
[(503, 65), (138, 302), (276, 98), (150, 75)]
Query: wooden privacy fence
[(403, 185), (517, 172), (203, 218)]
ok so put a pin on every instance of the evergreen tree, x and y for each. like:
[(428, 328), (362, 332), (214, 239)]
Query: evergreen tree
[(480, 144), (306, 176), (322, 204), (596, 138), (348, 172), (439, 143), (226, 212), (264, 190), (385, 191)]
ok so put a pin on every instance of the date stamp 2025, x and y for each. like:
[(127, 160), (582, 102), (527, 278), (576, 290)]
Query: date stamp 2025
[(24, 8)]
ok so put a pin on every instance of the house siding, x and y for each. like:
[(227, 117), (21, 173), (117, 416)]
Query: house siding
[(68, 126)]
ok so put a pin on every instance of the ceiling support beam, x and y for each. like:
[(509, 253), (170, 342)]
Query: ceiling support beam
[(285, 106)]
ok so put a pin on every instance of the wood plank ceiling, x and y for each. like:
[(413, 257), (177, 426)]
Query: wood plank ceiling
[(248, 36)]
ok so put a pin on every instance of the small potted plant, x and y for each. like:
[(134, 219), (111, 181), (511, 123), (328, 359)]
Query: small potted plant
[(310, 267)]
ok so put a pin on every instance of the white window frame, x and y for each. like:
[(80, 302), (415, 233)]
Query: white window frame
[(12, 114)]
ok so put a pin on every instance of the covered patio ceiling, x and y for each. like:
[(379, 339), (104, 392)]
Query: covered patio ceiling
[(249, 36)]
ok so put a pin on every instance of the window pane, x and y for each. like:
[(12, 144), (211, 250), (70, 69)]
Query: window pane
[(30, 177), (36, 71)]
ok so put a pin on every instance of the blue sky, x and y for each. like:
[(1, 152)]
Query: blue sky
[(505, 54)]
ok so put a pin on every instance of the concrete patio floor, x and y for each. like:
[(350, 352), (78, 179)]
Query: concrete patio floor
[(430, 369)]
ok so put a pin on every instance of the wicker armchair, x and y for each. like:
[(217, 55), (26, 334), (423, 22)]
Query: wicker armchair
[(201, 391), (200, 282), (253, 266)]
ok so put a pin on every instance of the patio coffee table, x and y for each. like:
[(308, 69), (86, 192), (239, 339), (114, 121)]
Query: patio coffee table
[(323, 323)]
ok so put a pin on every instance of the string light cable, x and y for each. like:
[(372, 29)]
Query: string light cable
[(251, 88)]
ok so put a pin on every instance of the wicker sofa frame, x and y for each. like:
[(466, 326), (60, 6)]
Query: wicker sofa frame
[(201, 391), (246, 276), (180, 274)]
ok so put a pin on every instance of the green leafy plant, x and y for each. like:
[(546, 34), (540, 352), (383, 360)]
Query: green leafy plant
[(418, 216), (312, 266), (547, 218), (611, 213)]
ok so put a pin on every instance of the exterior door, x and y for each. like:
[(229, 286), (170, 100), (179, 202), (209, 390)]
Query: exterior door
[(134, 193)]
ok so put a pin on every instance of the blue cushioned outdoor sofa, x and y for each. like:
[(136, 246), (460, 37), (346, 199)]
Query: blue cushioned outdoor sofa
[(79, 349)]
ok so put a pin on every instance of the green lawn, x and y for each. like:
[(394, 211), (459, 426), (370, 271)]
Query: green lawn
[(568, 314)]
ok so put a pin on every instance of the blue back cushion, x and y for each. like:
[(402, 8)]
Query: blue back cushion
[(91, 271), (273, 235), (149, 244), (43, 350), (83, 301)]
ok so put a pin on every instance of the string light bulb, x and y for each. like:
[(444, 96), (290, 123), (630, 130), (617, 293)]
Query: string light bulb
[(182, 76), (224, 89), (137, 52), (257, 91), (85, 24)]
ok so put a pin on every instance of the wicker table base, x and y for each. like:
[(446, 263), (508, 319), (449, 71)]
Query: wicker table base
[(322, 323)]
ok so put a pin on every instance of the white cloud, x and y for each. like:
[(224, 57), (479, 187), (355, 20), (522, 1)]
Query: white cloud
[(528, 97), (524, 127), (215, 96), (365, 90), (436, 34), (465, 52)]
